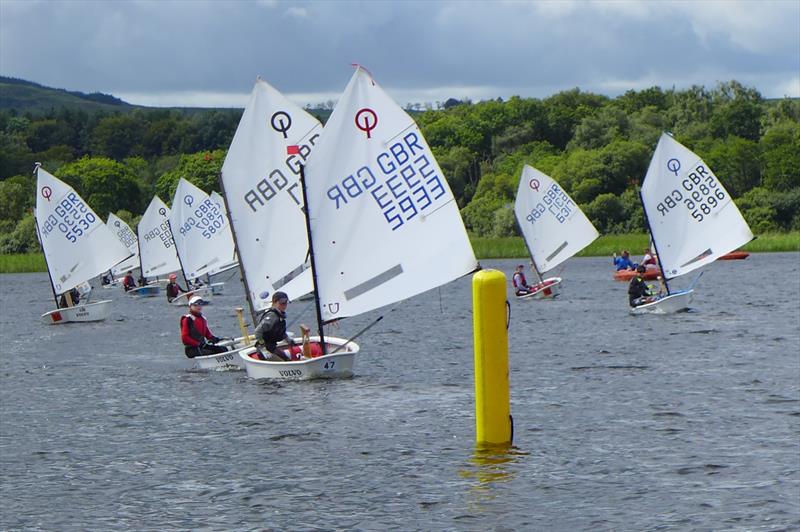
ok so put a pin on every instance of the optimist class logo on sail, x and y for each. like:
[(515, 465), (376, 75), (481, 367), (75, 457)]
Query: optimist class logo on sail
[(403, 181), (285, 179)]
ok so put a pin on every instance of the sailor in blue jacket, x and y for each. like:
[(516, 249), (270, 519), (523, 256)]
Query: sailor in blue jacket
[(624, 262)]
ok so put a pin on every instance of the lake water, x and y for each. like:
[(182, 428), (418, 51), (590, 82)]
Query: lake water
[(622, 422)]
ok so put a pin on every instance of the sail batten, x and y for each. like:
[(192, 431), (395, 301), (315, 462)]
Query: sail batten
[(78, 246)]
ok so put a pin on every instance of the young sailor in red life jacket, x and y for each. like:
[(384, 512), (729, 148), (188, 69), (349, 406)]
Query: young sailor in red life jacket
[(195, 334), (521, 287), (173, 288)]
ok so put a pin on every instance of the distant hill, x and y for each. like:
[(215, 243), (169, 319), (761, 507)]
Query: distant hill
[(27, 96)]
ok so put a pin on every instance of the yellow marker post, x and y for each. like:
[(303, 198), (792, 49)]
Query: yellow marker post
[(243, 325), (492, 395)]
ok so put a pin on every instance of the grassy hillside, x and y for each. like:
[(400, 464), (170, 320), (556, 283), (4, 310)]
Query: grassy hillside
[(25, 96)]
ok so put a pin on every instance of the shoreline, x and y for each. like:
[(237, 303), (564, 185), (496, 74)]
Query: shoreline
[(500, 248)]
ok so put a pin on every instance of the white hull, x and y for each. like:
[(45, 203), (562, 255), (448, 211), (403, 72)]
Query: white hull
[(547, 289), (222, 361), (332, 366), (183, 299), (79, 313), (150, 290), (675, 302)]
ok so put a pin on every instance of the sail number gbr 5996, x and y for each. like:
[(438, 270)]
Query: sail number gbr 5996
[(700, 192)]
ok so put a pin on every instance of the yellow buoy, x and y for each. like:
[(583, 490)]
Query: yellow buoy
[(492, 395)]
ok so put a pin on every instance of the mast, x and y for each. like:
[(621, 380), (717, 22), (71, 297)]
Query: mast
[(139, 247), (533, 261), (313, 262), (49, 276), (236, 247), (653, 238), (178, 254)]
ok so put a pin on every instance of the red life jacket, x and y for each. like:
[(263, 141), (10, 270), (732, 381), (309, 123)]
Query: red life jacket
[(194, 329)]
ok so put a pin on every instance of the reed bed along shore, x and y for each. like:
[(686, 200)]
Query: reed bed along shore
[(514, 247), (499, 248)]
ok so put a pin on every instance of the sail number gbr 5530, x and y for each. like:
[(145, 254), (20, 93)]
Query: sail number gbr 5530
[(700, 192), (72, 218)]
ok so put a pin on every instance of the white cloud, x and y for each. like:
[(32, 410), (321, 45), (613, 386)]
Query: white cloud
[(297, 12)]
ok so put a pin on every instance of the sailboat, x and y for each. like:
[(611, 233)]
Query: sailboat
[(553, 227), (383, 223), (157, 254), (691, 217), (128, 238), (77, 246), (201, 234), (262, 194)]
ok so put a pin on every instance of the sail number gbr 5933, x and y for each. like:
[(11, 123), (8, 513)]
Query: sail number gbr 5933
[(700, 192)]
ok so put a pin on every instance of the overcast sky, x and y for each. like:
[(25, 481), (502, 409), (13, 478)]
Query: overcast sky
[(198, 53)]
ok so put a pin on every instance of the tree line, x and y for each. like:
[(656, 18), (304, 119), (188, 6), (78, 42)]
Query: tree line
[(598, 148)]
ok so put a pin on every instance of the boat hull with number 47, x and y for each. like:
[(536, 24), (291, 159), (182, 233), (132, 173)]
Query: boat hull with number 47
[(334, 365)]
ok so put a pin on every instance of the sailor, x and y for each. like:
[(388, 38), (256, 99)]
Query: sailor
[(173, 288), (195, 334), (638, 291), (74, 295), (272, 329), (521, 287), (128, 283), (624, 262)]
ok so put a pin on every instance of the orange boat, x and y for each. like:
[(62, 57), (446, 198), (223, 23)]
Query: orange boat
[(626, 275), (735, 255)]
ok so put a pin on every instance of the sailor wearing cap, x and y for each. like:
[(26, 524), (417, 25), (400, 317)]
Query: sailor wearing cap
[(195, 334)]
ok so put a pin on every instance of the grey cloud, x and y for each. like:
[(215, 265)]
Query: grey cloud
[(305, 47)]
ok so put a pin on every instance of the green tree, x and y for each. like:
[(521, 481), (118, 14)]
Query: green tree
[(605, 212), (201, 169), (736, 162), (16, 196), (106, 185), (479, 214), (780, 147)]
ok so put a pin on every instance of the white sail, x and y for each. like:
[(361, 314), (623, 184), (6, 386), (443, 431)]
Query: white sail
[(262, 187), (384, 223), (692, 217), (226, 251), (157, 250), (128, 238), (199, 230), (76, 243), (553, 225)]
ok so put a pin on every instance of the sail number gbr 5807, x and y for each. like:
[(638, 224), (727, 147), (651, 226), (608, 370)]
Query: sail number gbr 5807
[(700, 192)]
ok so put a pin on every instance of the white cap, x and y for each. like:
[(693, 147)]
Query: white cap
[(196, 300)]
